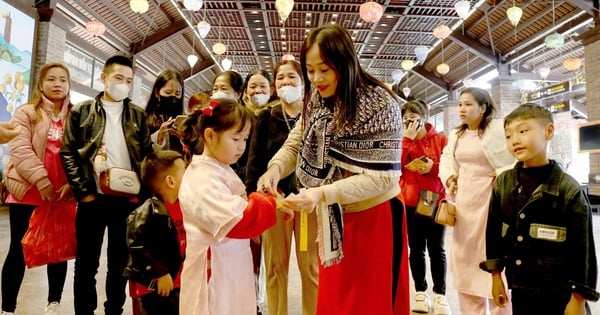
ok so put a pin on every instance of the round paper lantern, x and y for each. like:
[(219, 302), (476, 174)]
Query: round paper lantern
[(572, 63), (371, 11), (219, 48), (226, 64), (407, 65), (468, 82), (139, 6), (193, 5), (441, 31), (94, 27), (284, 8), (192, 59), (203, 28), (442, 68), (554, 40)]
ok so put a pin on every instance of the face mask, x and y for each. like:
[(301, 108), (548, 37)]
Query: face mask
[(290, 94), (168, 104), (221, 94), (259, 99), (118, 91)]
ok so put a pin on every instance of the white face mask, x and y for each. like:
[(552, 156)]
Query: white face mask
[(259, 100), (290, 94), (221, 94), (118, 91)]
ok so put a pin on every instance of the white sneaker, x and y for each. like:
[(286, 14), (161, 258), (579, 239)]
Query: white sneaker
[(421, 304), (440, 305), (52, 309)]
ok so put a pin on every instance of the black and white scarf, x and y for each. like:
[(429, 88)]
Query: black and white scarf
[(371, 144)]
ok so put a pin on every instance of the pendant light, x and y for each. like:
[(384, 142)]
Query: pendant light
[(371, 11), (462, 8)]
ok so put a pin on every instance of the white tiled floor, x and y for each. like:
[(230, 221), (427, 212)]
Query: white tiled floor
[(33, 293)]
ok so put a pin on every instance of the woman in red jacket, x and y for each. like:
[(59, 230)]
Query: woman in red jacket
[(422, 145)]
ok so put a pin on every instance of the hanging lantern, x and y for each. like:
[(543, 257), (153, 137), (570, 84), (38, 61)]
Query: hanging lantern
[(407, 65), (284, 8), (95, 28), (139, 6), (219, 48), (572, 63), (554, 40), (371, 11), (421, 53), (192, 59), (203, 28), (468, 82), (193, 5), (462, 8), (514, 14), (406, 91), (397, 75), (288, 57), (226, 64), (442, 68), (441, 31), (543, 71)]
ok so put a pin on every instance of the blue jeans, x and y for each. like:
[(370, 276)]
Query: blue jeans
[(105, 212), (424, 233)]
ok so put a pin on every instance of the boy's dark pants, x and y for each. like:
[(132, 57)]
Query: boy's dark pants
[(91, 221), (547, 302), (155, 304)]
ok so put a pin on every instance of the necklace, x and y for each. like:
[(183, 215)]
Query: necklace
[(285, 118)]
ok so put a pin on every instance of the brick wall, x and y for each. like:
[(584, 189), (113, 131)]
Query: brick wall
[(592, 65), (55, 44)]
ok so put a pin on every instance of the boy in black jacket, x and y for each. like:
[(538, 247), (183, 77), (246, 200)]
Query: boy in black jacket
[(156, 237), (539, 226)]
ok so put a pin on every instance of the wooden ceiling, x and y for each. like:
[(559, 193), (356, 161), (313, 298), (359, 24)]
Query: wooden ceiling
[(162, 37)]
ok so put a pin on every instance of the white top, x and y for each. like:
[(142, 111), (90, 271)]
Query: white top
[(213, 199), (114, 138)]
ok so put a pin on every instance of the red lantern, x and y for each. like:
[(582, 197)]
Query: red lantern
[(94, 27), (371, 11)]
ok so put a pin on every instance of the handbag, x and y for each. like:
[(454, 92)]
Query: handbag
[(119, 182), (427, 205), (446, 213)]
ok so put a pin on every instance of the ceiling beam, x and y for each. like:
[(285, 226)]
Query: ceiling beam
[(474, 46), (428, 75), (162, 35)]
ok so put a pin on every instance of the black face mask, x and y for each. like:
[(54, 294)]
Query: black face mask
[(168, 105)]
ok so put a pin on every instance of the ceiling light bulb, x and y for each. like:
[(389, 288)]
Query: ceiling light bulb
[(139, 6), (407, 65), (219, 48), (441, 31), (442, 68)]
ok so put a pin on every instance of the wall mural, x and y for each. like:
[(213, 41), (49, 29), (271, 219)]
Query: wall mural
[(16, 45)]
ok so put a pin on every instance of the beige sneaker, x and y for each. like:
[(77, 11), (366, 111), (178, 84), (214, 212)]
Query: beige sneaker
[(52, 309), (421, 304), (440, 305)]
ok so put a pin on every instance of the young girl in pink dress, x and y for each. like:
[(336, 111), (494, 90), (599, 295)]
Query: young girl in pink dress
[(217, 214)]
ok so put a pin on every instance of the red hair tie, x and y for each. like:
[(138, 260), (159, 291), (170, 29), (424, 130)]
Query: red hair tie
[(208, 111)]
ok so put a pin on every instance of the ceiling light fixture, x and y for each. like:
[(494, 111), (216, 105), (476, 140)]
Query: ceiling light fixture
[(219, 48), (226, 64), (543, 71), (139, 6), (462, 8), (572, 63), (95, 28), (371, 11), (443, 68), (406, 91), (192, 59), (284, 8), (193, 5), (203, 28), (407, 65), (397, 75), (421, 53), (514, 14), (441, 31), (554, 40), (288, 57)]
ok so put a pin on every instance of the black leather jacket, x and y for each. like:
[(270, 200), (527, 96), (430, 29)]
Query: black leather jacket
[(153, 244), (546, 241), (83, 132)]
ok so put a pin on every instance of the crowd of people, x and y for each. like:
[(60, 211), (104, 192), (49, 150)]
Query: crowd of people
[(319, 151)]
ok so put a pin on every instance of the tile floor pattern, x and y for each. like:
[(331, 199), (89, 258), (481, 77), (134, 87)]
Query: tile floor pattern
[(32, 298)]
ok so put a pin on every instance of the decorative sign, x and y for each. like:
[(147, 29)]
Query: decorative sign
[(548, 91), (563, 106)]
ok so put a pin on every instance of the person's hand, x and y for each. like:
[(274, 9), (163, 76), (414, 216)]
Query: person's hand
[(498, 290), (48, 193), (267, 183), (163, 129), (411, 129), (64, 192), (164, 285), (576, 305), (8, 130), (88, 198), (307, 200), (427, 168), (452, 184)]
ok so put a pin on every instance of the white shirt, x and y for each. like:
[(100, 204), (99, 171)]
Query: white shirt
[(114, 138)]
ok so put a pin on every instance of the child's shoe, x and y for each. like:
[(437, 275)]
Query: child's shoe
[(52, 309), (421, 304), (440, 305)]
